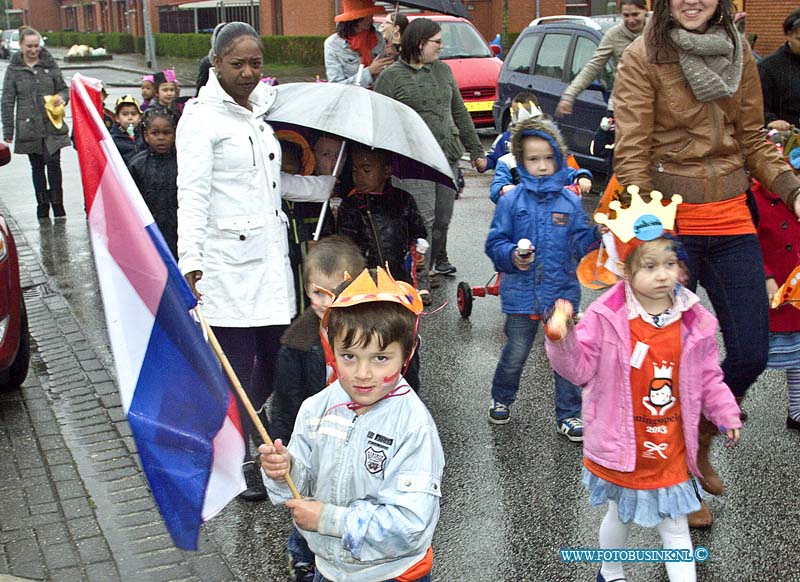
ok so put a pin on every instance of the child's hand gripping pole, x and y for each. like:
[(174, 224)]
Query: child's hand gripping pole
[(324, 209), (237, 386)]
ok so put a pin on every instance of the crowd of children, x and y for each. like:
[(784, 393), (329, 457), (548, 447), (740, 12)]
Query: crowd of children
[(373, 486)]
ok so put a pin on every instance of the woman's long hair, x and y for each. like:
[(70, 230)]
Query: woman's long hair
[(662, 22)]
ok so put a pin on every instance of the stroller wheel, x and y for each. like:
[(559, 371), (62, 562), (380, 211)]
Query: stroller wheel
[(464, 299)]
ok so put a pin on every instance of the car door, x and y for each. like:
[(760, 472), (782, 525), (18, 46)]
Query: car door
[(515, 76), (590, 106)]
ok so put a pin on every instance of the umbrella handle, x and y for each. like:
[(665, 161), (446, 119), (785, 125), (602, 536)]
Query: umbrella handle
[(324, 209)]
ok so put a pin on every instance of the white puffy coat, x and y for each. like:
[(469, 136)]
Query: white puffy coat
[(230, 223)]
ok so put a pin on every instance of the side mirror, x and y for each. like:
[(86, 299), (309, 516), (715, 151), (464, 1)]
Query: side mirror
[(495, 49)]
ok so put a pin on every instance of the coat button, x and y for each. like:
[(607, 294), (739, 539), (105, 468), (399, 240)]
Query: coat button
[(407, 483), (261, 127), (242, 237), (274, 185), (788, 247), (271, 156), (785, 225)]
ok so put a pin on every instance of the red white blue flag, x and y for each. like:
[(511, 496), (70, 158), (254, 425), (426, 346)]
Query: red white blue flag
[(177, 400)]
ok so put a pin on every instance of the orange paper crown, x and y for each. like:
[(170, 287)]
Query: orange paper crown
[(364, 289)]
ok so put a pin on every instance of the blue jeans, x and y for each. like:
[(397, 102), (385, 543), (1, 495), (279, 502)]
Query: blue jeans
[(297, 547), (731, 270), (521, 331), (320, 578)]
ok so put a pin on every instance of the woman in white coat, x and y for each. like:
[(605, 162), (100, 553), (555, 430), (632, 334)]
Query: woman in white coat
[(232, 234)]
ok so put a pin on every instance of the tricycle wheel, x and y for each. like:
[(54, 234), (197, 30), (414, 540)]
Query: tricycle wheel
[(464, 298)]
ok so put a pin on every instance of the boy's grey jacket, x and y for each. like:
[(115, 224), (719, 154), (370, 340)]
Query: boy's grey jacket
[(27, 87), (379, 476)]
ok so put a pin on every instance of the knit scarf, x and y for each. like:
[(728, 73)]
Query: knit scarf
[(711, 62), (363, 43)]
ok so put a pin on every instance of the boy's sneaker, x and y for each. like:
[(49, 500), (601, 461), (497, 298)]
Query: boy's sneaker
[(301, 571), (499, 413), (444, 268), (572, 428)]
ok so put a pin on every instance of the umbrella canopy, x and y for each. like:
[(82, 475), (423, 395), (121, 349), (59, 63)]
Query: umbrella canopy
[(358, 114), (451, 7)]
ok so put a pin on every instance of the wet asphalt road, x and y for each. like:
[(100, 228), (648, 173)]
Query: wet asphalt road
[(511, 495)]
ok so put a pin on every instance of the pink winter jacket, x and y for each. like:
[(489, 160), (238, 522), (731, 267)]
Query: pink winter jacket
[(597, 357)]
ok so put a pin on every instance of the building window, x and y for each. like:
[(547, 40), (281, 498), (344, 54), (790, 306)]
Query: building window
[(577, 7)]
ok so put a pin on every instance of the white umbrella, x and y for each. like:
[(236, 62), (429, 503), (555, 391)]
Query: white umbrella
[(358, 114)]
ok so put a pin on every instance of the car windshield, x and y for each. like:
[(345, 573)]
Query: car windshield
[(15, 35), (461, 41)]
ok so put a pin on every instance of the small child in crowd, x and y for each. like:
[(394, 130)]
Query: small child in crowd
[(374, 484), (501, 159), (155, 171), (551, 217), (382, 220), (167, 90), (300, 368), (148, 91), (646, 356), (125, 131), (779, 235)]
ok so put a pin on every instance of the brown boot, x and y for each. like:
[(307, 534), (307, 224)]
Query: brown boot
[(702, 518), (710, 480)]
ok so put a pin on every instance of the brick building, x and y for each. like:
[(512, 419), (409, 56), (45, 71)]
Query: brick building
[(315, 17)]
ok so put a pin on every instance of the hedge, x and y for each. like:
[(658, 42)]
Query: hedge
[(298, 50)]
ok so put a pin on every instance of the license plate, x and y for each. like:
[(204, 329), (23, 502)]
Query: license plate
[(479, 105)]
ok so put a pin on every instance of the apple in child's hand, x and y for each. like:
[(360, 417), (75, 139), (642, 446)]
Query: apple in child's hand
[(556, 327)]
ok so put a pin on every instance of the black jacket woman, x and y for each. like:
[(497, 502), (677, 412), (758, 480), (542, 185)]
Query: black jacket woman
[(32, 81)]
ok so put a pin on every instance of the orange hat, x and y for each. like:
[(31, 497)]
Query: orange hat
[(358, 9), (308, 161)]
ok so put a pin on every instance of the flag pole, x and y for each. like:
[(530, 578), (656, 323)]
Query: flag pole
[(243, 398)]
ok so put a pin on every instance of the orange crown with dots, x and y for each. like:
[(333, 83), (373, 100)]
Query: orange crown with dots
[(365, 289)]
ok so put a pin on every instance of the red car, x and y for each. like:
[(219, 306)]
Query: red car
[(15, 347), (474, 64)]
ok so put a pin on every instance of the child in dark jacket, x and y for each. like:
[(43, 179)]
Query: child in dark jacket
[(543, 212), (155, 171), (300, 369), (382, 220), (125, 132)]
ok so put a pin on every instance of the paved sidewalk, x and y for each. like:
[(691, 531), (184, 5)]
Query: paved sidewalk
[(74, 504)]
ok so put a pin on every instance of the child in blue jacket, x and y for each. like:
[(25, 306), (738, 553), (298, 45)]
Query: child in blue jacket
[(501, 159), (551, 217)]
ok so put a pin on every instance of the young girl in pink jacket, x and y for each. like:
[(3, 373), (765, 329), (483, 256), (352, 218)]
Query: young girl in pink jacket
[(646, 355)]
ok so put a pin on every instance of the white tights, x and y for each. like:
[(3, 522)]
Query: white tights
[(674, 535)]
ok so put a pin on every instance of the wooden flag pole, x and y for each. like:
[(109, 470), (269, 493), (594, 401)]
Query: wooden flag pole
[(237, 386)]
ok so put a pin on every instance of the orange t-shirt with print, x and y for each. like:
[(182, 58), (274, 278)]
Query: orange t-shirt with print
[(660, 448)]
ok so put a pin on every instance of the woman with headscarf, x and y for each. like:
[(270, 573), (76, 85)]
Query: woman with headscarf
[(232, 243), (354, 54)]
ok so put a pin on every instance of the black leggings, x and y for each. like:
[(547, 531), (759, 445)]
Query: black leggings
[(53, 164)]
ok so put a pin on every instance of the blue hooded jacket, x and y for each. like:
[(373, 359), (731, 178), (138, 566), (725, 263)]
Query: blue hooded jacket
[(552, 217)]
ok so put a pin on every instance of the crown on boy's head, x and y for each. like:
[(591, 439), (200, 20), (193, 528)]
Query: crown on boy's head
[(522, 111), (365, 289), (641, 220)]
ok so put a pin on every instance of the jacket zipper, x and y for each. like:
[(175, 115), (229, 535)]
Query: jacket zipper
[(377, 240), (252, 149)]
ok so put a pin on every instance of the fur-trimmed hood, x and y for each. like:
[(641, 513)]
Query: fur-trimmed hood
[(547, 129)]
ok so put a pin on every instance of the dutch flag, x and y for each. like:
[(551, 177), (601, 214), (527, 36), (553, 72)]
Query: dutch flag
[(181, 411)]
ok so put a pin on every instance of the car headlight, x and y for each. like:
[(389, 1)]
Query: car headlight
[(3, 246)]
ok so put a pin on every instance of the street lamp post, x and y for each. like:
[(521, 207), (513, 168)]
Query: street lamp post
[(149, 42)]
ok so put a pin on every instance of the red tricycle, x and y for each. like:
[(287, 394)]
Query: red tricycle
[(465, 293)]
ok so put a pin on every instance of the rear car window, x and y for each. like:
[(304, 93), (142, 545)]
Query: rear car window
[(520, 59), (550, 60)]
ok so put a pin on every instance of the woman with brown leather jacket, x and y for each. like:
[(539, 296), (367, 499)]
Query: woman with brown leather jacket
[(690, 121)]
